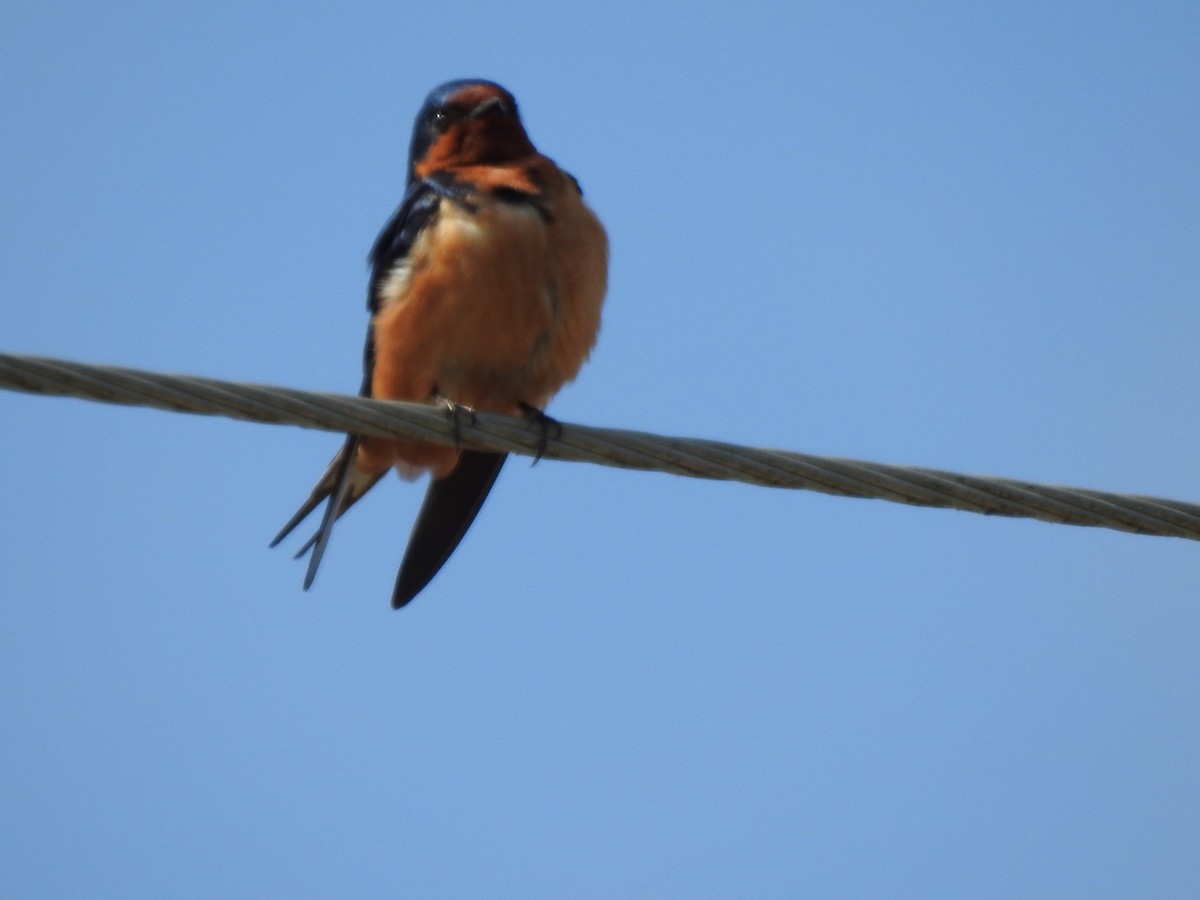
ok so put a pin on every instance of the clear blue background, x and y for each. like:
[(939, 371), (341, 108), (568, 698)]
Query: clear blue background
[(954, 235)]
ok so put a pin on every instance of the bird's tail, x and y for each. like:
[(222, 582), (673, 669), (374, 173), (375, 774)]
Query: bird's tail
[(450, 506), (343, 483)]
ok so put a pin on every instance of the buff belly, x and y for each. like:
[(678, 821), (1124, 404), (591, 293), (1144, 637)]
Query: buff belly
[(485, 311)]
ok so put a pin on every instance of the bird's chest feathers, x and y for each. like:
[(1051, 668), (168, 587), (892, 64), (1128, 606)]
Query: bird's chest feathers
[(476, 295)]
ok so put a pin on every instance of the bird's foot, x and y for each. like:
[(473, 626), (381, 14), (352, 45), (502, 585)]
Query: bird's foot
[(456, 411), (545, 424)]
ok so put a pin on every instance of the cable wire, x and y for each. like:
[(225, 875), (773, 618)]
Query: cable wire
[(611, 447)]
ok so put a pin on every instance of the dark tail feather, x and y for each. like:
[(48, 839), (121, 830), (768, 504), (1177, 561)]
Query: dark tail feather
[(450, 507), (313, 501), (359, 485), (332, 510), (343, 484)]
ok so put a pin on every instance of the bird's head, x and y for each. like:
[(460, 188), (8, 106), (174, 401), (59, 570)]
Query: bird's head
[(466, 123)]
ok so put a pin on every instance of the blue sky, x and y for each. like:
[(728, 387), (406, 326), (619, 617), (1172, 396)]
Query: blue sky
[(949, 235)]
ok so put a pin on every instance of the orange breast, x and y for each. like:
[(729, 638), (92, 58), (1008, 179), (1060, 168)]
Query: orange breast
[(492, 308)]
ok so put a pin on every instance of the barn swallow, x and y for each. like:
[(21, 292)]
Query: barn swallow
[(485, 293)]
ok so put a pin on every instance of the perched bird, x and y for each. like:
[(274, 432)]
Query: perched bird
[(485, 293)]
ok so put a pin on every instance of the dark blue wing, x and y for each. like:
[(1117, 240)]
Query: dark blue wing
[(342, 483), (414, 213), (412, 216), (452, 502)]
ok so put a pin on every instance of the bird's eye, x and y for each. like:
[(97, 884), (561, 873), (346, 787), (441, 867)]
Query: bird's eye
[(443, 116)]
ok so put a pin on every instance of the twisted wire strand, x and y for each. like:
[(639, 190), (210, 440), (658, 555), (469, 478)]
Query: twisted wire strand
[(624, 449)]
